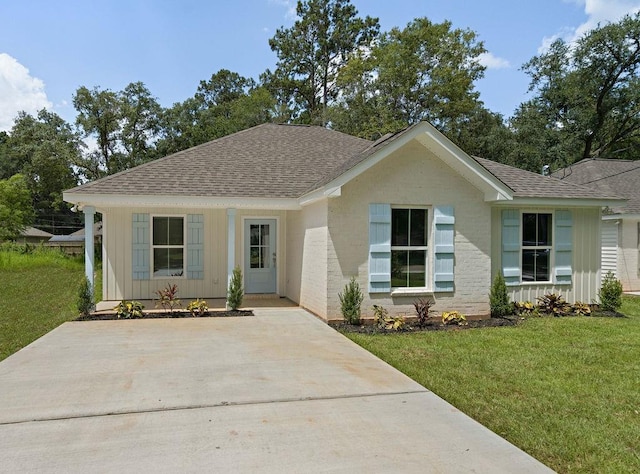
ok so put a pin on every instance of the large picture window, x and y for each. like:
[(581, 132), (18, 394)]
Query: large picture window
[(536, 247), (408, 247), (168, 246)]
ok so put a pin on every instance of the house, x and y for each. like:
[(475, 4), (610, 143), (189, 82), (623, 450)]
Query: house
[(73, 244), (302, 209), (621, 224), (33, 236)]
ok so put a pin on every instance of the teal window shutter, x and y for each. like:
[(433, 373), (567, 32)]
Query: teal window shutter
[(511, 246), (563, 247), (195, 246), (141, 247), (379, 248), (444, 249)]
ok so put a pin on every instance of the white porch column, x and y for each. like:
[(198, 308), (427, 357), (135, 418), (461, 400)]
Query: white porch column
[(89, 212), (231, 245)]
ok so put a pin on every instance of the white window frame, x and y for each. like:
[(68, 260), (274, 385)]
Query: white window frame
[(399, 290), (537, 247), (183, 247)]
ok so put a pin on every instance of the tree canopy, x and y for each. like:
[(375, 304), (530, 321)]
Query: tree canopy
[(16, 210)]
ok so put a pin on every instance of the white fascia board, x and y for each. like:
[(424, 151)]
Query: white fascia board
[(558, 202), (620, 216), (195, 202), (430, 137)]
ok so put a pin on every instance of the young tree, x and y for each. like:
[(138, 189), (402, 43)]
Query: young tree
[(312, 52), (587, 94), (16, 210)]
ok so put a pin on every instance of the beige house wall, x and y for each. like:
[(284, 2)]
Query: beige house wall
[(119, 284), (306, 257), (411, 176), (586, 259), (629, 254)]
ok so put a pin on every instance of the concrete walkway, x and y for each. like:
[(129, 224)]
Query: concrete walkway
[(278, 392)]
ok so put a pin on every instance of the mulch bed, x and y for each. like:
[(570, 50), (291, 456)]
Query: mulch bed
[(163, 315), (434, 324)]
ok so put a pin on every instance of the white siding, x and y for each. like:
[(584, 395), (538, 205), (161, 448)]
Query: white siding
[(609, 247), (412, 176), (629, 254)]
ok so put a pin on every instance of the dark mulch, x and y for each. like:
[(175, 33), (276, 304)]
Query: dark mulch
[(433, 324), (175, 314)]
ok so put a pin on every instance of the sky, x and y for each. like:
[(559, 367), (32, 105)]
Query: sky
[(48, 49)]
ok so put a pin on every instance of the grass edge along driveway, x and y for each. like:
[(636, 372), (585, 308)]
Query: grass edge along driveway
[(565, 390)]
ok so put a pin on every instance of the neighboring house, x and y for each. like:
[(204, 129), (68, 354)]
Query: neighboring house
[(73, 244), (621, 224), (302, 209), (33, 236)]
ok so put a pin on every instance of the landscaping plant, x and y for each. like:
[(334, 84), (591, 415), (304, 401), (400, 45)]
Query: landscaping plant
[(168, 297), (85, 297), (423, 307), (351, 301), (382, 320), (129, 309), (236, 291), (499, 299), (553, 304), (454, 317), (525, 308), (611, 293), (198, 307)]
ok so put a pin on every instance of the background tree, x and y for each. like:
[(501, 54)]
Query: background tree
[(16, 211), (587, 98), (311, 54), (425, 71)]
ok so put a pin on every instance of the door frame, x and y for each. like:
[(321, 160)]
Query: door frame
[(243, 241)]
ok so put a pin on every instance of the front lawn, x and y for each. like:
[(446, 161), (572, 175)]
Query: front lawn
[(565, 390), (39, 292)]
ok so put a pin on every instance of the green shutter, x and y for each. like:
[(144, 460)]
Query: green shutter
[(140, 261), (379, 248), (195, 246), (444, 238), (511, 246), (563, 247)]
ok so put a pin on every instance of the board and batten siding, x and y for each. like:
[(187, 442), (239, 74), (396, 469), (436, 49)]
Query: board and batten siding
[(118, 281), (585, 278), (609, 247)]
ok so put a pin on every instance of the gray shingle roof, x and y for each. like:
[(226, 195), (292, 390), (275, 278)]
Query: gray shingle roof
[(289, 161), (526, 184), (620, 177), (267, 161)]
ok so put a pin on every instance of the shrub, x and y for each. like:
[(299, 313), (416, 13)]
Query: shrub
[(168, 297), (581, 309), (85, 297), (382, 320), (553, 304), (454, 317), (423, 307), (129, 309), (198, 307), (350, 302), (235, 293), (525, 308), (499, 299), (610, 293)]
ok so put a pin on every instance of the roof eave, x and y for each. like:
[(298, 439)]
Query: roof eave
[(561, 202), (104, 201)]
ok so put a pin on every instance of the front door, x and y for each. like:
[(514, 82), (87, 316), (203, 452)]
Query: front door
[(260, 256)]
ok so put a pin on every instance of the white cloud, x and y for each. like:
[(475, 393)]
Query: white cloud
[(490, 61), (598, 12), (290, 5), (18, 91)]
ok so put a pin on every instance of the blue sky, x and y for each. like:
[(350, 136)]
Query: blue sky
[(50, 48)]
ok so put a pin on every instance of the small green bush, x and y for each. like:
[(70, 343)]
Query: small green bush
[(129, 309), (351, 301), (499, 299), (85, 297), (611, 293), (235, 294)]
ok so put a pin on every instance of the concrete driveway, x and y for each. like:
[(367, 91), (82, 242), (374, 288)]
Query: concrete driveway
[(278, 392)]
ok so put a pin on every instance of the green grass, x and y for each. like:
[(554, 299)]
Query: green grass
[(565, 390), (39, 292)]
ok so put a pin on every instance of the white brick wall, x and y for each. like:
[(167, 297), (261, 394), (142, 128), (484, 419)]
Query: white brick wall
[(410, 176)]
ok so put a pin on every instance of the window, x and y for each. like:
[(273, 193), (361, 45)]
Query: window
[(259, 246), (536, 247), (408, 248), (168, 246)]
